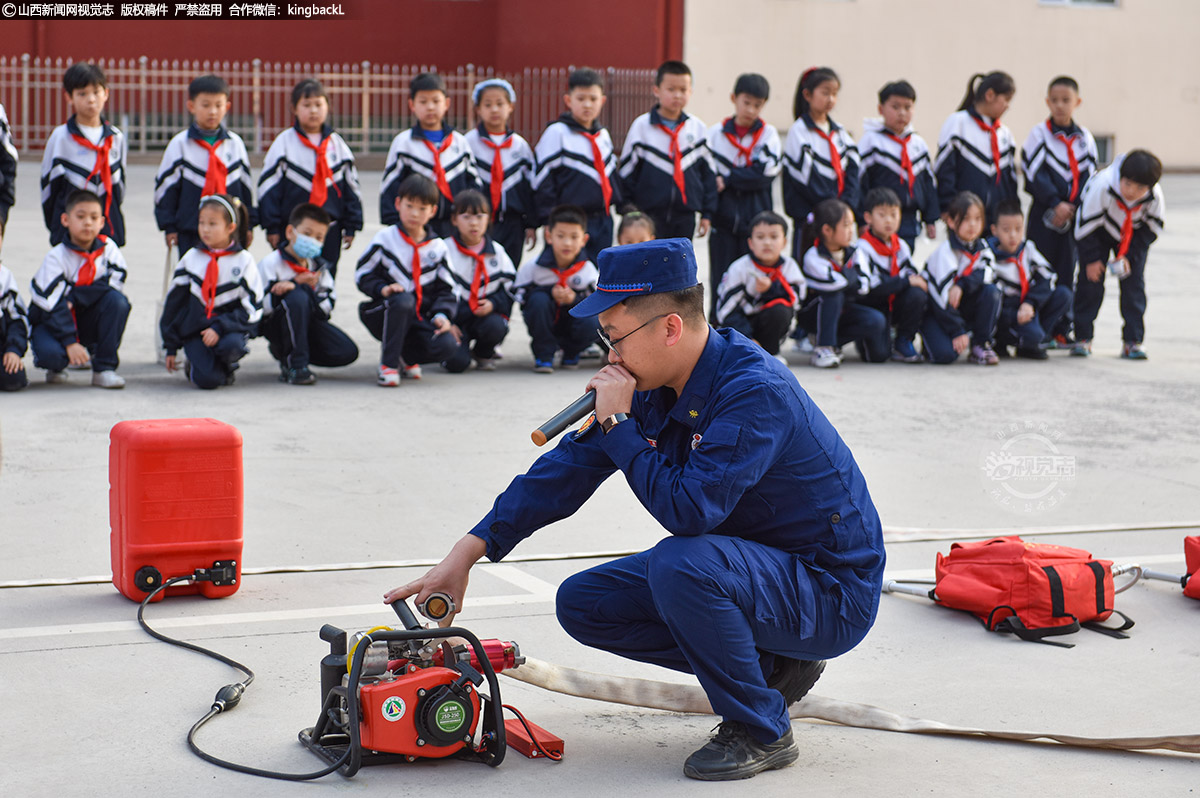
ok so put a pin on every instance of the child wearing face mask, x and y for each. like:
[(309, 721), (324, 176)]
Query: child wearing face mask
[(298, 301)]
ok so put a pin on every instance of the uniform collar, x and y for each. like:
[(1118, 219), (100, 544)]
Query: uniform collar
[(1069, 130), (99, 242), (488, 247), (73, 127), (834, 127), (547, 259), (447, 129), (326, 130), (689, 407), (994, 244), (656, 118), (958, 244), (483, 131), (570, 121), (730, 127), (314, 264), (220, 133), (980, 117)]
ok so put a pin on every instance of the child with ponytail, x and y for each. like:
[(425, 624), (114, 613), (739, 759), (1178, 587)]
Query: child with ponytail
[(216, 296), (976, 152)]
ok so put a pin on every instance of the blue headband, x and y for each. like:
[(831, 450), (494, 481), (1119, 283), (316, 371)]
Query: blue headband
[(493, 83)]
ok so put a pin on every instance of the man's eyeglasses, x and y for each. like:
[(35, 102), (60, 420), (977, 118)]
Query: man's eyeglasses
[(612, 344)]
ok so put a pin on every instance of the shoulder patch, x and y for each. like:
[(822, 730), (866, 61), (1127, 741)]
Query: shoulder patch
[(587, 424)]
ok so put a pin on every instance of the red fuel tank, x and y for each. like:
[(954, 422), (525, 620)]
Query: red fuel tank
[(175, 503)]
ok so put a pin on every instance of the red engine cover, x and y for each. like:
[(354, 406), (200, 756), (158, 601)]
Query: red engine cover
[(389, 711), (175, 501)]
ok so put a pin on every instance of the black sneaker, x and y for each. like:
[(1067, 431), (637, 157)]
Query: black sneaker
[(733, 753), (300, 376), (1032, 353), (793, 678)]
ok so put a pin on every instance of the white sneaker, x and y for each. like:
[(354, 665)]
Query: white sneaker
[(56, 377), (107, 379), (592, 353), (485, 363), (823, 357), (497, 354), (412, 372), (388, 377), (802, 345)]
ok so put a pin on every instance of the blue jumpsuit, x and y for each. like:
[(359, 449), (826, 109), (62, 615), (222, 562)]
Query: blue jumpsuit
[(775, 546)]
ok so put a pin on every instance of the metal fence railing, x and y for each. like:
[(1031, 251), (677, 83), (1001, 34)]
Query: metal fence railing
[(368, 102)]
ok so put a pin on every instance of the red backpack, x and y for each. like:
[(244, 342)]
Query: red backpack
[(1031, 590), (1191, 552)]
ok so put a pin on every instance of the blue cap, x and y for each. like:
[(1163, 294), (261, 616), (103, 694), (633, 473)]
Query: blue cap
[(652, 267)]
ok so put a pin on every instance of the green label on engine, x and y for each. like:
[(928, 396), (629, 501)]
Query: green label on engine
[(450, 716)]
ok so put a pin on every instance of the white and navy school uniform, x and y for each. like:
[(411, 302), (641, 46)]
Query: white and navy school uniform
[(887, 266), (901, 163), (444, 156), (8, 167), (748, 161), (79, 297), (970, 267), (1057, 162), (574, 165), (196, 164), (14, 329), (319, 169), (219, 290), (551, 327), (667, 172), (761, 315), (1025, 276), (818, 165), (509, 185), (976, 154), (92, 159), (833, 307), (403, 321), (297, 324), (486, 274), (1106, 229)]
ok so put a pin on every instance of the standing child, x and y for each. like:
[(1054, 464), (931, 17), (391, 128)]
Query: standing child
[(835, 286), (819, 155), (8, 167), (483, 277), (431, 148), (964, 305), (747, 155), (308, 162), (203, 160), (85, 153), (14, 330), (1031, 303), (896, 158), (976, 152), (504, 163), (215, 301), (761, 291), (1059, 158), (896, 290), (549, 286), (575, 163), (666, 168), (411, 290), (298, 299), (635, 228), (1120, 216), (79, 308)]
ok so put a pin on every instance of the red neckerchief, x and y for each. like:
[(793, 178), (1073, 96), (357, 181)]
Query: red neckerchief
[(735, 140), (893, 253), (321, 172), (480, 277), (439, 171), (1068, 142), (293, 265), (208, 289), (101, 167), (1019, 260), (416, 264), (835, 159), (972, 259), (776, 275), (676, 155), (87, 270), (567, 273), (1126, 229), (216, 172), (598, 162), (497, 169), (991, 129), (905, 161)]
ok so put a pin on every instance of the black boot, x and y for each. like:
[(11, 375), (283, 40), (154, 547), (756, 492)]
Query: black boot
[(733, 753), (793, 678)]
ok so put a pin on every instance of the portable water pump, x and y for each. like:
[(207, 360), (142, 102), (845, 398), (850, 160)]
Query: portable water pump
[(392, 695)]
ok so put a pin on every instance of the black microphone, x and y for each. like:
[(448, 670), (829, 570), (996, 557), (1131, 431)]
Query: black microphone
[(565, 418)]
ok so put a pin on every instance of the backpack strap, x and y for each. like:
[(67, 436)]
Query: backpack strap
[(1011, 624), (1117, 632)]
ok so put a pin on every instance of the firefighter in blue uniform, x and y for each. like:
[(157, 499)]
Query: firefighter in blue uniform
[(775, 555)]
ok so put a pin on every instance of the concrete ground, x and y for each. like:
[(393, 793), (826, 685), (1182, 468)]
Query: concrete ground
[(345, 473)]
